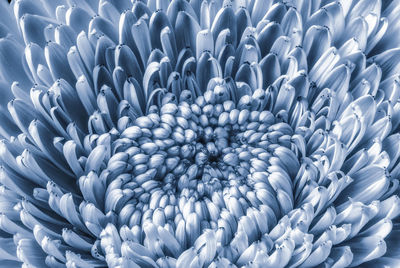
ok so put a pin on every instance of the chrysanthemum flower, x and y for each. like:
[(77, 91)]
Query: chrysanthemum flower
[(246, 133)]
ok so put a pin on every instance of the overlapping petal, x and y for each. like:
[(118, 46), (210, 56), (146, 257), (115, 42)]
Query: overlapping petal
[(199, 133)]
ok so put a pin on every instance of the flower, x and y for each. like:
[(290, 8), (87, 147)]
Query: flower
[(245, 133)]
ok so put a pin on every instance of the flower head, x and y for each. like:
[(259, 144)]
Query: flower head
[(245, 133)]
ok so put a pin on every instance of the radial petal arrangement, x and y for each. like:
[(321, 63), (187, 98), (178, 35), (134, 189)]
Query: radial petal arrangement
[(175, 133)]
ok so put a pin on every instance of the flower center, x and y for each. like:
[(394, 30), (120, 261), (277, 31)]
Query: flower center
[(192, 160)]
